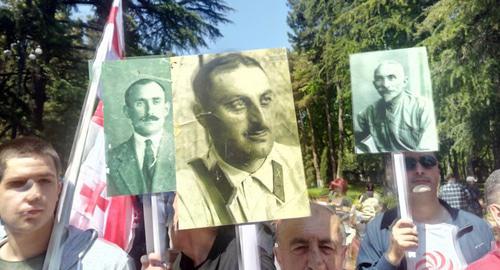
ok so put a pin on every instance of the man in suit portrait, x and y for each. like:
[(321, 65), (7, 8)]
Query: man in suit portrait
[(399, 120), (246, 176), (145, 162)]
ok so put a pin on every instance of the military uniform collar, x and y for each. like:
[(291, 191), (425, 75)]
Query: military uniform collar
[(235, 176)]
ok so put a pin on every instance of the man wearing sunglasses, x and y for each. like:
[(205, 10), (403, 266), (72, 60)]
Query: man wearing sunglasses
[(440, 236)]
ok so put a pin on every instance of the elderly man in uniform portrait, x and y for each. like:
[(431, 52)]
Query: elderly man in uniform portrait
[(398, 121), (142, 163), (246, 175), (313, 243)]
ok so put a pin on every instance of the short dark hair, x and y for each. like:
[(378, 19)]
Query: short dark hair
[(27, 146), (139, 83), (201, 82), (492, 188)]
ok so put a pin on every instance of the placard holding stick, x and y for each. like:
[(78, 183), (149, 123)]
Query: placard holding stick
[(399, 170), (248, 255), (155, 242)]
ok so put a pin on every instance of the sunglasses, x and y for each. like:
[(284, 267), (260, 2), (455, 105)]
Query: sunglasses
[(426, 161)]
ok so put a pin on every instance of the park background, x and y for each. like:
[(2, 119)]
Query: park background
[(46, 46)]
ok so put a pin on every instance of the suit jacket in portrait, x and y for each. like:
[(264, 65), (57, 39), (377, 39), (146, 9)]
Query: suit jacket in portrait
[(125, 176)]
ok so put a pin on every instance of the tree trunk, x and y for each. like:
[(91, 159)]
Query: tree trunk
[(454, 164), (340, 123), (39, 97), (319, 182), (331, 149), (495, 128)]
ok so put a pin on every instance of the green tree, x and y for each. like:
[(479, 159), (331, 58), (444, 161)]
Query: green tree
[(462, 38), (44, 96)]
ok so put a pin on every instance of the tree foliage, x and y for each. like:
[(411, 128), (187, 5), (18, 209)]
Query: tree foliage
[(461, 37), (44, 96)]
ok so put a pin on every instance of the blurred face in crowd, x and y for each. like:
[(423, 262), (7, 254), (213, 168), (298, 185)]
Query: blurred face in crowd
[(29, 191), (314, 242)]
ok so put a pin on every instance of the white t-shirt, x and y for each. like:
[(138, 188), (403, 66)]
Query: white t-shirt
[(438, 248)]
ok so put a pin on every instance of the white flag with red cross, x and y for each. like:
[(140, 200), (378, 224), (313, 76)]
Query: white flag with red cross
[(112, 217)]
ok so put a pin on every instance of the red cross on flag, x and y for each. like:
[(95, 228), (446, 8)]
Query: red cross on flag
[(112, 217)]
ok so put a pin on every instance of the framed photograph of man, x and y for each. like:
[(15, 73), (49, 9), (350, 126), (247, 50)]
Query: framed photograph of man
[(392, 102), (237, 148), (140, 151)]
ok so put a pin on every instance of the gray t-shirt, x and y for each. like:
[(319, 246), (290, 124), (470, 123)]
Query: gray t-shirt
[(35, 263)]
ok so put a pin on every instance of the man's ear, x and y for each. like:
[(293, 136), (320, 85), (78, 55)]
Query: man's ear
[(343, 255), (494, 210), (405, 81), (277, 254), (125, 111), (167, 108), (59, 187), (200, 114)]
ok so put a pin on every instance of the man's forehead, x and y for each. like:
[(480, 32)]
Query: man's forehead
[(29, 164), (245, 80), (150, 89), (322, 226), (419, 154), (237, 70), (390, 68)]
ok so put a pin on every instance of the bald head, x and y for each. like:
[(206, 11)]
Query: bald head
[(492, 188), (389, 79), (315, 242)]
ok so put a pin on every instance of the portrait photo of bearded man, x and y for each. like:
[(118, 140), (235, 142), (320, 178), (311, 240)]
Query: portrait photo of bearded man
[(392, 102)]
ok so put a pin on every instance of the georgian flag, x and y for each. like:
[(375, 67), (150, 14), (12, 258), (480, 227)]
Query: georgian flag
[(112, 217)]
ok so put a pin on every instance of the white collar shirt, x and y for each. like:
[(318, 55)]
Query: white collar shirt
[(140, 145)]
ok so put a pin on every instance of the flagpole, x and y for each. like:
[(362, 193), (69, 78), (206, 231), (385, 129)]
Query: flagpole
[(55, 248)]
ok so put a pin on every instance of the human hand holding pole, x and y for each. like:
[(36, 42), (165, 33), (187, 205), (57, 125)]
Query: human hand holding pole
[(404, 238)]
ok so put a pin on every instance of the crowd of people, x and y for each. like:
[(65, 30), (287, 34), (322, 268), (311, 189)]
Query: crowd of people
[(30, 186)]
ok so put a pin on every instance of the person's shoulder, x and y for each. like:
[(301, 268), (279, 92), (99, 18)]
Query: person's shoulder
[(384, 219), (123, 148), (102, 246), (86, 242), (286, 149), (370, 109), (478, 224), (490, 261), (418, 101)]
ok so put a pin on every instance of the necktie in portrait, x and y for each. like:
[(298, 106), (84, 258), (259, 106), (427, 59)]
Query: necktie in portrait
[(148, 166)]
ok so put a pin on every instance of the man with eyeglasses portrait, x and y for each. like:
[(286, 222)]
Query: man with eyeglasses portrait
[(441, 237)]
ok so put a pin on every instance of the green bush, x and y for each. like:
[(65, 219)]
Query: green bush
[(315, 193)]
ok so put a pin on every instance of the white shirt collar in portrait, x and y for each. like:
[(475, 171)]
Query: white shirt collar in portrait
[(140, 145)]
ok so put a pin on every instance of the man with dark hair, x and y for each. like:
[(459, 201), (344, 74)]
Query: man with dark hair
[(246, 175), (441, 236), (133, 164), (30, 185), (492, 194), (398, 121), (313, 243)]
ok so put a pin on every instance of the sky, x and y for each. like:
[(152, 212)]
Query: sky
[(257, 24)]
